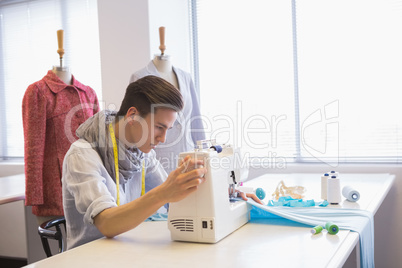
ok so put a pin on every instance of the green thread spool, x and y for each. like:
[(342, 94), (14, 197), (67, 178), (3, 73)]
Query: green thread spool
[(331, 228), (317, 229)]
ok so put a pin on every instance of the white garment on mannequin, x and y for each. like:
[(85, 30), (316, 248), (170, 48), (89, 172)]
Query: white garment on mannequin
[(165, 69), (63, 73)]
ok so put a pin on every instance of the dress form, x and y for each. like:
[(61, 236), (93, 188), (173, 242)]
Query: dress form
[(163, 62), (165, 68), (62, 72)]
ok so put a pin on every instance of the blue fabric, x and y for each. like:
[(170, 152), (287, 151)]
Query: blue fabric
[(158, 217), (288, 201), (357, 220)]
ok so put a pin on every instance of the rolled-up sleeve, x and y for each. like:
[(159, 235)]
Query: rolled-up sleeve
[(85, 181)]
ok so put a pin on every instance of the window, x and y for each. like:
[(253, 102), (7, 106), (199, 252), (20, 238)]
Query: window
[(303, 80), (28, 49)]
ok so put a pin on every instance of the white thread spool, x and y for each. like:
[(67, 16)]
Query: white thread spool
[(324, 187), (334, 190), (333, 173), (350, 194)]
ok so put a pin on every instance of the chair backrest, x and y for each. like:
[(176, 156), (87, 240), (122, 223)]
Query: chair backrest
[(46, 233)]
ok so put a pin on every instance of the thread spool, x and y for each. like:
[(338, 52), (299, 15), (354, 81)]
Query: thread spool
[(317, 229), (333, 190), (333, 173), (259, 192), (350, 193), (331, 228), (324, 186)]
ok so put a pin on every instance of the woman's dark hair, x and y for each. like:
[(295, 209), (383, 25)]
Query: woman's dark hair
[(150, 93)]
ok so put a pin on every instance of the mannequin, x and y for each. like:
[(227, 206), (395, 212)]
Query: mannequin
[(165, 68), (188, 127), (46, 107), (163, 63), (62, 72)]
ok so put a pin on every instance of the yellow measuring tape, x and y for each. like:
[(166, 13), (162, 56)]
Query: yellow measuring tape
[(143, 178), (116, 162), (116, 166)]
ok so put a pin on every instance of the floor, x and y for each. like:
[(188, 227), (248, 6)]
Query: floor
[(12, 263)]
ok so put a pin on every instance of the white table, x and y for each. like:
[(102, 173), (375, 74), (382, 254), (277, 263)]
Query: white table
[(12, 188), (256, 243)]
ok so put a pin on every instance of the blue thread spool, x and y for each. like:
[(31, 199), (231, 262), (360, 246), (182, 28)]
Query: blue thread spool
[(260, 193)]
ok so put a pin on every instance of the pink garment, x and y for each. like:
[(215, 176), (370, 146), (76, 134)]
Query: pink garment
[(51, 112)]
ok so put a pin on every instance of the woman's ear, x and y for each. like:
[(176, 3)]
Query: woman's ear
[(131, 112)]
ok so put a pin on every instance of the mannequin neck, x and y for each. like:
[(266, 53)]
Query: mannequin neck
[(163, 64), (165, 68), (64, 74)]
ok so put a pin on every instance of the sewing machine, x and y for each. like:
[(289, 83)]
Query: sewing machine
[(211, 213)]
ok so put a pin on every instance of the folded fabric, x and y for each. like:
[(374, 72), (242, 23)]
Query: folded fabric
[(289, 201), (158, 217), (357, 220)]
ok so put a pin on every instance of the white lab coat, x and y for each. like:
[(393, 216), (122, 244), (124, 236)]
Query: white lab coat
[(188, 127)]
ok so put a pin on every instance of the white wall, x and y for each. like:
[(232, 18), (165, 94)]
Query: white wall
[(124, 45)]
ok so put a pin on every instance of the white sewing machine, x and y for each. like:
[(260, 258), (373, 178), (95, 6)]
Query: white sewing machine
[(209, 214)]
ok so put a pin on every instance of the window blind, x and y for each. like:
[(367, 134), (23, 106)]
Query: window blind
[(309, 81), (246, 75), (350, 66)]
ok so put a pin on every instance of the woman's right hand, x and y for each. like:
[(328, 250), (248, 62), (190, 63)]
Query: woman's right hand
[(184, 180)]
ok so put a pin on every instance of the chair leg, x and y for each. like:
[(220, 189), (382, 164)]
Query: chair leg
[(46, 247)]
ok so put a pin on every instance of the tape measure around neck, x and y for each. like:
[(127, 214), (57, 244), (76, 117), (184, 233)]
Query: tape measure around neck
[(116, 166), (143, 178), (116, 162)]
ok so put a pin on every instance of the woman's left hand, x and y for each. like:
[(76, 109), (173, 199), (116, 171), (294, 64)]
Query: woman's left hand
[(250, 195)]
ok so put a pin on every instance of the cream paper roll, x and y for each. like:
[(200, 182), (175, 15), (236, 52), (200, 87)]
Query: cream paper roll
[(334, 190)]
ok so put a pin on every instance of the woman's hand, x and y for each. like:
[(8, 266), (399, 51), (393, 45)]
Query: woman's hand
[(184, 180), (251, 195)]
